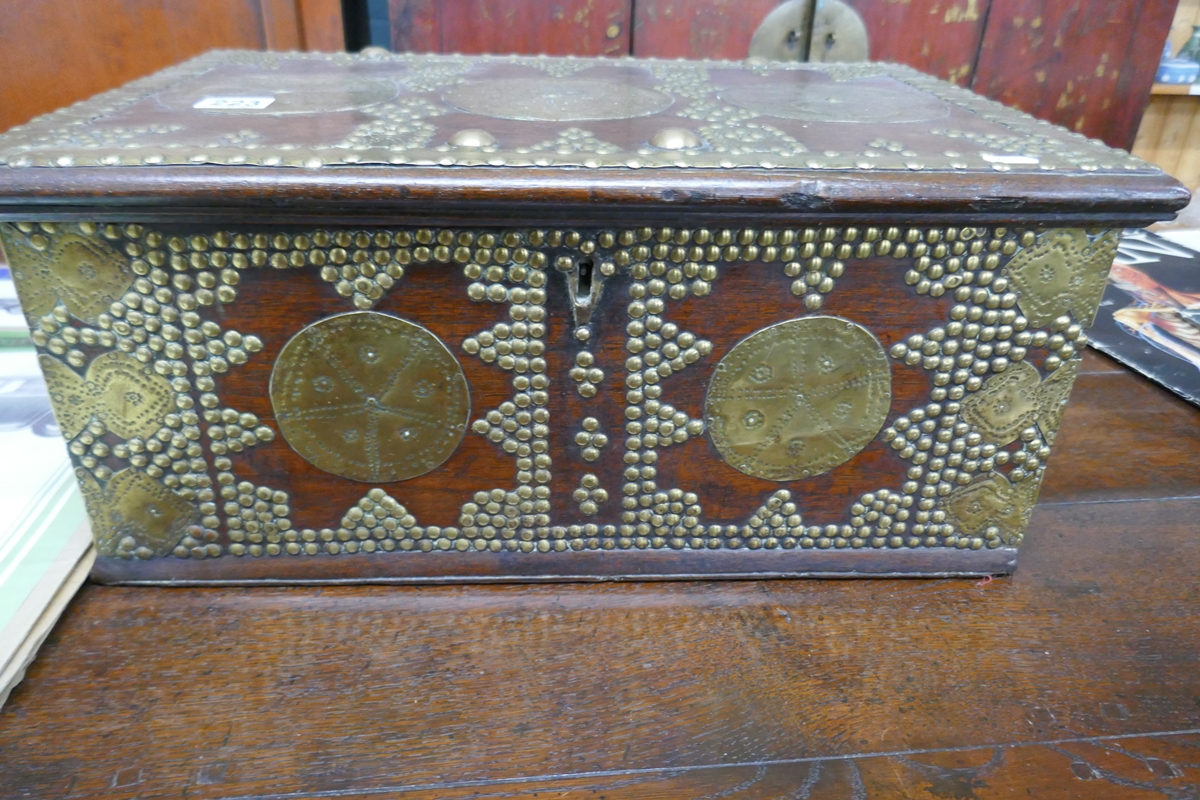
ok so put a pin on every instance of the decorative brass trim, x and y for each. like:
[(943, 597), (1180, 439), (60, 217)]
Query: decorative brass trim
[(400, 98), (550, 100), (83, 272), (1063, 272), (125, 396), (997, 380)]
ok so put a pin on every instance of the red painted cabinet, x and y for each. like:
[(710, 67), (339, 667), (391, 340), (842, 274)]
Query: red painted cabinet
[(554, 27)]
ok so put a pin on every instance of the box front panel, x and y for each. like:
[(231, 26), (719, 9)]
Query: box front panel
[(345, 403)]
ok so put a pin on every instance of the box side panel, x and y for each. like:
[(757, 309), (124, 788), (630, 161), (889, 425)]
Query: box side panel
[(334, 403)]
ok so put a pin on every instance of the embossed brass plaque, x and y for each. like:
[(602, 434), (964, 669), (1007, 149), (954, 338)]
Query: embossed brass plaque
[(135, 515), (799, 398), (370, 397), (292, 94), (127, 397), (546, 100), (1013, 400), (845, 101), (82, 272), (1063, 272)]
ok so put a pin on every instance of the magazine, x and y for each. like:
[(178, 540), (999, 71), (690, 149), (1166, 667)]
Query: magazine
[(1149, 318)]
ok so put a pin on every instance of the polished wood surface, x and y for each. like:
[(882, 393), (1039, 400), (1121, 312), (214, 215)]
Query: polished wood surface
[(174, 158), (57, 52), (1169, 135), (1075, 678), (366, 195)]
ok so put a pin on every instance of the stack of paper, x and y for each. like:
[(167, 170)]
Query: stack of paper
[(45, 543)]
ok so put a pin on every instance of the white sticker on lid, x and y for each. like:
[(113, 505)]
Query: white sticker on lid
[(992, 158), (227, 103)]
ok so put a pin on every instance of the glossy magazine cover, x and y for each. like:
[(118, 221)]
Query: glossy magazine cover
[(1149, 318)]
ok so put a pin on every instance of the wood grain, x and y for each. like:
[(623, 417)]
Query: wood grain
[(56, 52), (1116, 412), (281, 24), (1073, 679), (1169, 137), (307, 691), (321, 25), (415, 26), (1085, 64), (563, 27), (939, 37), (365, 195), (697, 28)]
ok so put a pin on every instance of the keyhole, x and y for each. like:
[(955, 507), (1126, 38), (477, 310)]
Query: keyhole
[(830, 40), (585, 277), (793, 39)]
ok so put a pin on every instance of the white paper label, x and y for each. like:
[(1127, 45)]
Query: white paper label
[(1007, 159), (225, 103)]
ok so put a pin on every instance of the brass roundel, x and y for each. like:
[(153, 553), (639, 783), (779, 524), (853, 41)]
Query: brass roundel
[(370, 397), (549, 100), (310, 93), (843, 101), (798, 398)]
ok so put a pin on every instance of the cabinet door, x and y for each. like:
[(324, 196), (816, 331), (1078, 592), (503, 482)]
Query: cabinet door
[(1087, 65), (940, 37), (554, 27), (696, 28)]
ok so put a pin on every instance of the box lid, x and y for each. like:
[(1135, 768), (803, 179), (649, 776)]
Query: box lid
[(292, 135)]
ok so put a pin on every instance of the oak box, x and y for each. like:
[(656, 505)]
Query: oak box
[(407, 318)]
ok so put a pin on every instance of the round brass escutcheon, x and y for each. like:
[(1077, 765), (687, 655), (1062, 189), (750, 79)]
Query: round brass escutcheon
[(798, 398), (370, 397)]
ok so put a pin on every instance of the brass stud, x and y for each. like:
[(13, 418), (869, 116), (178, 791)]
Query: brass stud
[(472, 137), (675, 139)]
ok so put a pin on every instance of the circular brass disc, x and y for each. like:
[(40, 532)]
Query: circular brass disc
[(845, 101), (370, 397), (549, 100), (798, 398), (294, 94)]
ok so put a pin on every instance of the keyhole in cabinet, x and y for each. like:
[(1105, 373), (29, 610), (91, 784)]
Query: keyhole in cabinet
[(585, 277), (584, 289)]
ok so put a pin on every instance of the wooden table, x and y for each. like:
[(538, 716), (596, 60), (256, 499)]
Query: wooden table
[(1078, 677)]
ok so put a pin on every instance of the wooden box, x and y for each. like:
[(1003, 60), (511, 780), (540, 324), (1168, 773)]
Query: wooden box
[(427, 318)]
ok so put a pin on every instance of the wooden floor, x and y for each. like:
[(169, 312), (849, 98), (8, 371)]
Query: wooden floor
[(1077, 678)]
